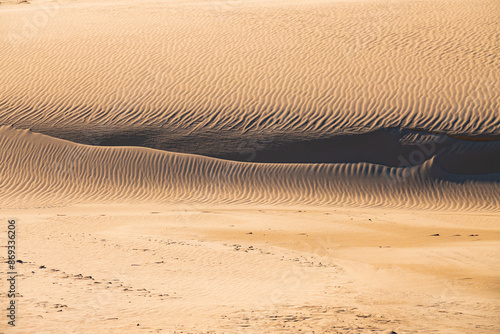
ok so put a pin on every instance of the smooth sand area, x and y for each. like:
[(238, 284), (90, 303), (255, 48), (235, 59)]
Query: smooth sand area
[(196, 269)]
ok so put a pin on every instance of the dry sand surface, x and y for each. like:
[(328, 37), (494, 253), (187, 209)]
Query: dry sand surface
[(225, 166), (244, 68), (173, 269)]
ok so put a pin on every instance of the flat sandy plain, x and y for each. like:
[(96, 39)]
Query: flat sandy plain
[(251, 166)]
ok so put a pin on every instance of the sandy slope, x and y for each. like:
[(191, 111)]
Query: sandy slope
[(41, 171), (220, 69)]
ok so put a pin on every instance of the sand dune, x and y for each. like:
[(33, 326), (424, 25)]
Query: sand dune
[(38, 170), (231, 70), (261, 166)]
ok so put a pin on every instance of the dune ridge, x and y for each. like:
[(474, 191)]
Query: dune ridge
[(214, 69), (38, 170)]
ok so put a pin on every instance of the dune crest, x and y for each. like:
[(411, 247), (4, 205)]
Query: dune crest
[(38, 170)]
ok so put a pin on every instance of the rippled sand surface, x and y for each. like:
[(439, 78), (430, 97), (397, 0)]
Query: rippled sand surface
[(226, 166), (320, 67)]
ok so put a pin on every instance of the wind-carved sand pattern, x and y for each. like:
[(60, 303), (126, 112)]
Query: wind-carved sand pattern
[(61, 173), (315, 67), (261, 166)]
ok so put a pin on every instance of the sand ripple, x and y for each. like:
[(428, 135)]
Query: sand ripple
[(38, 170), (224, 70)]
